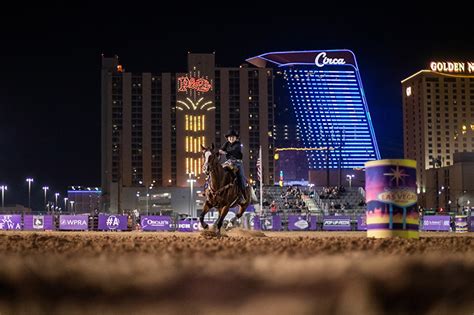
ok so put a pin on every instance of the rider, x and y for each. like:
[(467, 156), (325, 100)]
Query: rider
[(233, 152)]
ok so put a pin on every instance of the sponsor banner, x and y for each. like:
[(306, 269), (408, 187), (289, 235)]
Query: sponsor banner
[(74, 222), (155, 223), (362, 223), (460, 223), (472, 224), (113, 222), (188, 225), (10, 222), (297, 223), (336, 223), (436, 223), (38, 222), (271, 223)]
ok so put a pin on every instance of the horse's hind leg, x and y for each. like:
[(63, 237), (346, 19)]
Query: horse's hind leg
[(205, 210)]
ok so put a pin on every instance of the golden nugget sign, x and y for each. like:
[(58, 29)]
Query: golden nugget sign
[(455, 67), (198, 84)]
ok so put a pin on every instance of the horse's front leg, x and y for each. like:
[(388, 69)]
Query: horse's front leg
[(220, 220), (205, 210)]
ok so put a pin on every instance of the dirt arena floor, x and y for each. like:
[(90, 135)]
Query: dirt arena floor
[(244, 273)]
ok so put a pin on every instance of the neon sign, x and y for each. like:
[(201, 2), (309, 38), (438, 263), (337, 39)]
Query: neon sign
[(328, 61), (452, 66), (198, 84)]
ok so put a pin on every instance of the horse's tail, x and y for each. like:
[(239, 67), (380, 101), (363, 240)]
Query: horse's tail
[(253, 197)]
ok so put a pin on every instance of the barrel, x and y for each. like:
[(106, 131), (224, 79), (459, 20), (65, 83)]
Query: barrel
[(391, 198), (460, 223)]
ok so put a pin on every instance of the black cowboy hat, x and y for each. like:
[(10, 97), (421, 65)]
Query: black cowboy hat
[(232, 132)]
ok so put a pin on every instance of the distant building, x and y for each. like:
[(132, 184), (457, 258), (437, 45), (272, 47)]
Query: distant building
[(83, 199), (154, 124), (15, 209), (451, 187), (438, 116), (320, 104)]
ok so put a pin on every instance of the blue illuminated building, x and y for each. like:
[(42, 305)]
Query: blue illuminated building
[(322, 91)]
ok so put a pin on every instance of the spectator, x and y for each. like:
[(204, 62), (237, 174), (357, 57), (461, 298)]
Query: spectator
[(273, 207)]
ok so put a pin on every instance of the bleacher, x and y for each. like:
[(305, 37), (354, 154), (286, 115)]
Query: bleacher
[(313, 203), (351, 196)]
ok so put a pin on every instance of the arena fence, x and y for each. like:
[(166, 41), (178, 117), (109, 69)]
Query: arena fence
[(268, 222)]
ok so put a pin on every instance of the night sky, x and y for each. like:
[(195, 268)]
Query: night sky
[(50, 70)]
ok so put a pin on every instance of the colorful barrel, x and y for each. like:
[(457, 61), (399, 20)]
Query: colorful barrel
[(460, 223), (390, 193)]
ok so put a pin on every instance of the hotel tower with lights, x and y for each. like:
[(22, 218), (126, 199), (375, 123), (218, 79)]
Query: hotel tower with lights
[(438, 127), (321, 100), (153, 125)]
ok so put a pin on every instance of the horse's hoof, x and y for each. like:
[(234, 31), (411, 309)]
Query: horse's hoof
[(205, 227)]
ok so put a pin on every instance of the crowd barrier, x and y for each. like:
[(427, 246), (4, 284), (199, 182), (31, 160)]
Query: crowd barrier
[(253, 221)]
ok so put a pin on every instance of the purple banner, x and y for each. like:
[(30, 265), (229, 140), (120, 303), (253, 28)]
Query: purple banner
[(255, 223), (38, 222), (113, 222), (336, 223), (362, 223), (472, 224), (297, 223), (313, 220), (155, 223), (74, 222), (272, 223), (188, 225), (10, 222), (436, 223)]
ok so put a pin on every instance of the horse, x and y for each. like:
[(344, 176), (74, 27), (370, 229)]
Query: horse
[(223, 190)]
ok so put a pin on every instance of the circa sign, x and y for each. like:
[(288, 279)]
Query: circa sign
[(321, 60), (457, 67)]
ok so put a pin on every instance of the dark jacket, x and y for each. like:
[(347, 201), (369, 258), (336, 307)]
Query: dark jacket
[(234, 150)]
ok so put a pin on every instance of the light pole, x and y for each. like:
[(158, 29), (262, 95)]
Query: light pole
[(65, 204), (3, 188), (148, 188), (29, 180), (349, 178), (72, 206), (45, 188), (191, 182)]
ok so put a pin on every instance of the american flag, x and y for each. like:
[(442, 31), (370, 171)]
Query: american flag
[(259, 165)]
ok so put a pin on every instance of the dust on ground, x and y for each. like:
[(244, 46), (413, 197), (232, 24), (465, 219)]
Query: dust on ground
[(246, 272)]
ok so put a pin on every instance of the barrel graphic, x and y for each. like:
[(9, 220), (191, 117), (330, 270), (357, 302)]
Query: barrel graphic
[(391, 198)]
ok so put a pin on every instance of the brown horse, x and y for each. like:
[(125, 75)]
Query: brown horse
[(223, 191)]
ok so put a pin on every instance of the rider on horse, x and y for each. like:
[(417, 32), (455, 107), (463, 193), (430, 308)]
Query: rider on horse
[(233, 152)]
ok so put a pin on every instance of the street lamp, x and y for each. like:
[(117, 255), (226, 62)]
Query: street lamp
[(3, 188), (65, 204), (56, 195), (72, 206), (349, 178), (29, 180), (45, 188), (191, 182)]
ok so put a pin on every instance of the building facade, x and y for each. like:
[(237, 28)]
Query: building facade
[(153, 125), (438, 116), (322, 92), (83, 199), (451, 188)]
